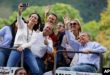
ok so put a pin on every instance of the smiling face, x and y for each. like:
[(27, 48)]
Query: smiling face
[(33, 19), (51, 19), (60, 27), (47, 29), (74, 26), (84, 38)]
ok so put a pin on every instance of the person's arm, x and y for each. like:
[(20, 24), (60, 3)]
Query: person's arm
[(33, 39), (20, 22), (5, 32), (72, 41), (2, 31), (47, 10), (98, 48)]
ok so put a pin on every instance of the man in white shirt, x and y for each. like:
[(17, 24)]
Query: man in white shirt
[(42, 45)]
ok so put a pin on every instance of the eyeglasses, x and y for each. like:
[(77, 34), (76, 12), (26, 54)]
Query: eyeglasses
[(73, 24)]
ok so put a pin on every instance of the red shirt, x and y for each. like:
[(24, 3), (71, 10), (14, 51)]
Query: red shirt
[(53, 37)]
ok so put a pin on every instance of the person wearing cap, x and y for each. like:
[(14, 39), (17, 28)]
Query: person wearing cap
[(86, 62)]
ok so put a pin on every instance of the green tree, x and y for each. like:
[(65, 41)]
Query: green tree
[(59, 9), (104, 34), (92, 28)]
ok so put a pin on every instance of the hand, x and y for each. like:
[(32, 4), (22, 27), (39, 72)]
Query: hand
[(66, 19), (20, 49), (46, 42), (47, 9), (20, 8), (67, 61), (87, 51)]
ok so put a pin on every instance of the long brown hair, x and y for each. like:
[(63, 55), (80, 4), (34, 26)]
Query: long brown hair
[(37, 26)]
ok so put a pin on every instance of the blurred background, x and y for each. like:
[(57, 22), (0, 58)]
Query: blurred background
[(93, 14)]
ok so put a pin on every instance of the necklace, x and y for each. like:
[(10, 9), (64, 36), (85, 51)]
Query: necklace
[(29, 34)]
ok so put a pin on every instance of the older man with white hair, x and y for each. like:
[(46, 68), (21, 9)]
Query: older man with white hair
[(86, 62)]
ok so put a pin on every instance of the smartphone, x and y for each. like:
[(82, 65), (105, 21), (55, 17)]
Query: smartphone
[(25, 4)]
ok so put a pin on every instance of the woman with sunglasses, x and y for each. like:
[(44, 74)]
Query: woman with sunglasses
[(75, 28)]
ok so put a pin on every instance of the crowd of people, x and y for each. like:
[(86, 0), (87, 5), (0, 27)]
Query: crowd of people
[(37, 44)]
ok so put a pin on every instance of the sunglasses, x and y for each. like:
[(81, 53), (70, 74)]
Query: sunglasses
[(73, 24)]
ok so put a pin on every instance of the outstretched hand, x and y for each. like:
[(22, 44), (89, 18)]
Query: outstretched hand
[(66, 20), (46, 41), (47, 9), (20, 9)]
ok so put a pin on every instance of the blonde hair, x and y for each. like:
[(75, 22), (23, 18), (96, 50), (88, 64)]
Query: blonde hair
[(79, 23)]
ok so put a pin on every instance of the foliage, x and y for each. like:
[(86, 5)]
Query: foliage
[(92, 28), (104, 35), (59, 9), (4, 22), (89, 9), (100, 31)]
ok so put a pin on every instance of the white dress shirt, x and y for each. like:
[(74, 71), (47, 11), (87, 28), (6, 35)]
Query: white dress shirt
[(38, 48)]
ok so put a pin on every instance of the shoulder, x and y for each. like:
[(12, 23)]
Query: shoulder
[(6, 28), (94, 44)]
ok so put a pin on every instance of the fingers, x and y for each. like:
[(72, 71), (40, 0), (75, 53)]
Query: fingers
[(45, 42), (20, 49), (86, 51), (66, 19), (47, 9)]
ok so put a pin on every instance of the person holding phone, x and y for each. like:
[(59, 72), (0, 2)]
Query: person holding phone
[(25, 36)]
